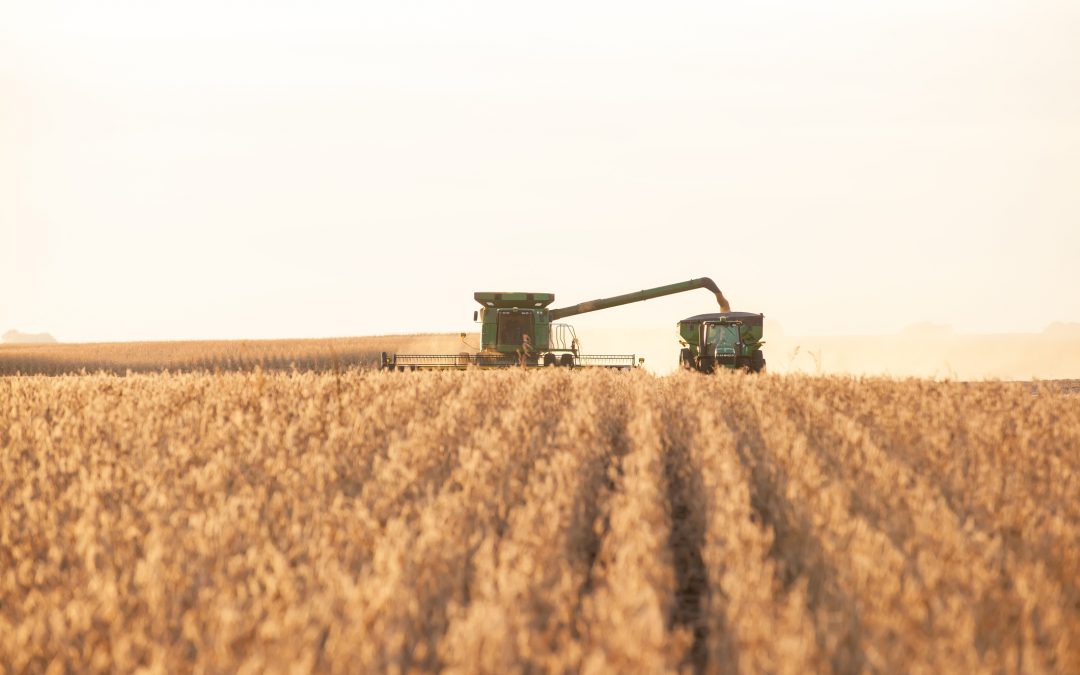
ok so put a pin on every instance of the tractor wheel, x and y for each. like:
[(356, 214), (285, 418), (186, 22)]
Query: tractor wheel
[(549, 359), (757, 362), (686, 359), (566, 360)]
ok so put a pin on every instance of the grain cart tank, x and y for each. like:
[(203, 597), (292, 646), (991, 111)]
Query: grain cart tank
[(723, 340), (518, 329)]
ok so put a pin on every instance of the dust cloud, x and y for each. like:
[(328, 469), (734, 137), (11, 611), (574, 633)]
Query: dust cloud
[(15, 337), (437, 343), (947, 355), (919, 351)]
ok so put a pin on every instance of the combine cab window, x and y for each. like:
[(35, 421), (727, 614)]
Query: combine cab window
[(513, 324)]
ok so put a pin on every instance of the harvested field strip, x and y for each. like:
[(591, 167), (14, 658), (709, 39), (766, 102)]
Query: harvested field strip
[(551, 521)]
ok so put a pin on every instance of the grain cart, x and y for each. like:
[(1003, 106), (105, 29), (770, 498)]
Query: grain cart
[(518, 329), (723, 340)]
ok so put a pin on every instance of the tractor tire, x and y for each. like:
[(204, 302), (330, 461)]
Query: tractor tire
[(566, 360), (686, 359), (549, 359), (757, 362)]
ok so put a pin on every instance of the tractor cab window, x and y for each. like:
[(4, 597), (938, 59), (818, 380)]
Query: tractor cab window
[(722, 334), (513, 325)]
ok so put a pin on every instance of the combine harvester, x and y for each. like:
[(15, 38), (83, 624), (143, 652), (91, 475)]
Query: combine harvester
[(518, 329)]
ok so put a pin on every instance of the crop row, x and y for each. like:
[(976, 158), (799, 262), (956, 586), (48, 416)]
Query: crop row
[(554, 521)]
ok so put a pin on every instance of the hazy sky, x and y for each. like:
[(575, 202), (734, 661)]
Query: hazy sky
[(277, 169)]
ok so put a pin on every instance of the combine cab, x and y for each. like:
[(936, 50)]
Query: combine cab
[(518, 329), (724, 340)]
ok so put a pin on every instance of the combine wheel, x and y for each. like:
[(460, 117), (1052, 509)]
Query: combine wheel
[(566, 360), (549, 359)]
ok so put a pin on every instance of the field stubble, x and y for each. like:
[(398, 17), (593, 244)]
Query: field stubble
[(503, 521)]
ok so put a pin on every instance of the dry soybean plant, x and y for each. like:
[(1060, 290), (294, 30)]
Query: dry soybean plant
[(536, 521)]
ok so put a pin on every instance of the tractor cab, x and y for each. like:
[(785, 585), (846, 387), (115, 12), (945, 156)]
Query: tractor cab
[(722, 340)]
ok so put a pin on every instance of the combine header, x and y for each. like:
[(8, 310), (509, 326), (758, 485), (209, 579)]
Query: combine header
[(518, 329)]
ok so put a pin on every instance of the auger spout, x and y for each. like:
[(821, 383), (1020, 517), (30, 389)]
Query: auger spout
[(638, 296)]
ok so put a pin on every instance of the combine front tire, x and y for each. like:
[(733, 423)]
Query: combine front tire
[(566, 360), (549, 359)]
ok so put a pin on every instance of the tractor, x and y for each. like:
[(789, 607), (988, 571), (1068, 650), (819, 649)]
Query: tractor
[(730, 340)]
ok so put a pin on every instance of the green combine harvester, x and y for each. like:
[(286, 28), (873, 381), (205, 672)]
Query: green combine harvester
[(518, 329), (723, 340)]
